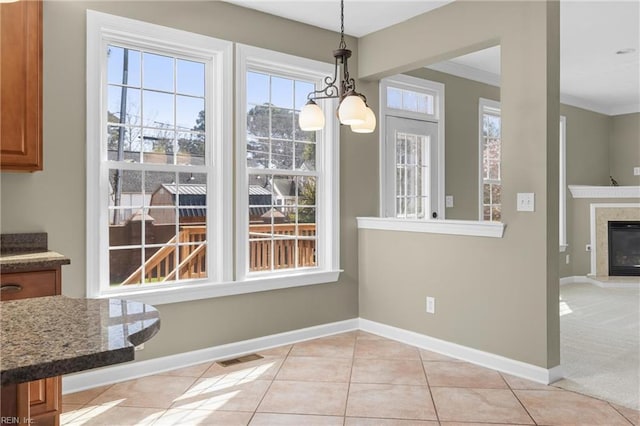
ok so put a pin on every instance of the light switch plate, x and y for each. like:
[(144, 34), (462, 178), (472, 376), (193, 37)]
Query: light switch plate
[(526, 201), (636, 171), (448, 201)]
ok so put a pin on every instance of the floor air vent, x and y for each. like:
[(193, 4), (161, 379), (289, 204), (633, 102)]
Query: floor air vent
[(239, 360)]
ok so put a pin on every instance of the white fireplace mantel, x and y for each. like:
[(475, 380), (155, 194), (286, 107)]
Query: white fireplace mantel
[(585, 191)]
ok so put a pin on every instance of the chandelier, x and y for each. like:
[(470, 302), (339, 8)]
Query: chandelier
[(353, 109)]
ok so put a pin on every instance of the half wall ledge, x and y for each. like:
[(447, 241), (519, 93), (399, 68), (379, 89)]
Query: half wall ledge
[(448, 227)]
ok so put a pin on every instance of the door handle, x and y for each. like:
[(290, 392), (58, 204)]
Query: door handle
[(434, 215)]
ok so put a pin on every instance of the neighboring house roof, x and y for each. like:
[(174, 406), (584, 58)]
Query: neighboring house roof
[(284, 187)]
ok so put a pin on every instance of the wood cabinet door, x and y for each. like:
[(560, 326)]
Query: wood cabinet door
[(21, 86), (44, 398)]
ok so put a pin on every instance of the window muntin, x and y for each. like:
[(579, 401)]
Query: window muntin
[(490, 170)]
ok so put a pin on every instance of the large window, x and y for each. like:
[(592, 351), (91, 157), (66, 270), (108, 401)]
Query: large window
[(287, 194), (490, 161), (412, 149), (160, 202), (156, 163)]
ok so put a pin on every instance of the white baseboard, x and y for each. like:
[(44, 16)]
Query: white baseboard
[(475, 356), (118, 373), (571, 280)]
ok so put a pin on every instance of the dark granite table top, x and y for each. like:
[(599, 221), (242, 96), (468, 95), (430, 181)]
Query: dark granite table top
[(50, 336)]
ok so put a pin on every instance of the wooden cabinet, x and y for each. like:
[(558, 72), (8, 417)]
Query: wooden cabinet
[(39, 400), (21, 86)]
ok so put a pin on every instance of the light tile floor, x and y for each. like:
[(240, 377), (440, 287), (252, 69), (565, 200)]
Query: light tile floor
[(348, 379)]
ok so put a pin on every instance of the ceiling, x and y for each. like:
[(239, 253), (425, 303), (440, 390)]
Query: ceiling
[(592, 75)]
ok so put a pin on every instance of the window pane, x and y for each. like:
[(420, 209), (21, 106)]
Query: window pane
[(158, 72), (305, 156), (258, 121), (306, 187), (257, 88), (190, 113), (158, 146), (123, 265), (400, 180), (126, 137), (125, 195), (258, 153), (394, 98), (119, 72), (130, 110), (412, 149), (157, 109), (400, 148), (281, 155), (282, 92), (302, 89), (496, 193), (191, 148), (282, 123), (409, 100), (190, 78)]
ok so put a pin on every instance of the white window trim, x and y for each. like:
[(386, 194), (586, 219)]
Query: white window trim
[(494, 107), (563, 185), (327, 161), (423, 86), (103, 29)]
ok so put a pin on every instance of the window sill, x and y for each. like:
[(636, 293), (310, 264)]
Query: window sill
[(198, 291), (448, 227)]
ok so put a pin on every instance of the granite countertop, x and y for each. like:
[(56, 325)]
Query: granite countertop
[(54, 335), (15, 262)]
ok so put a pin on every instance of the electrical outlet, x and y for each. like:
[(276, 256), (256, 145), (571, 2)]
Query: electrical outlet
[(568, 259), (526, 201), (431, 305), (636, 171), (448, 200)]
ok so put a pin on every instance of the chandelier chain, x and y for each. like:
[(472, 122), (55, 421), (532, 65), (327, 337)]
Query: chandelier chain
[(343, 45)]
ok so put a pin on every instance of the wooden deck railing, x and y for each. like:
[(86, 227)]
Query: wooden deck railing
[(161, 266)]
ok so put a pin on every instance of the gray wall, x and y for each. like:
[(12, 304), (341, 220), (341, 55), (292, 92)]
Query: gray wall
[(624, 148), (497, 295), (54, 200)]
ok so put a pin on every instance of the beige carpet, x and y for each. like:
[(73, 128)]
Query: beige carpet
[(600, 342)]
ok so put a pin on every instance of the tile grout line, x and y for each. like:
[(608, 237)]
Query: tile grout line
[(255, 411), (622, 414), (353, 361), (424, 370), (518, 399)]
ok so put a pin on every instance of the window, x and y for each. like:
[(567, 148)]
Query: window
[(287, 179), (156, 186), (412, 148), (490, 159)]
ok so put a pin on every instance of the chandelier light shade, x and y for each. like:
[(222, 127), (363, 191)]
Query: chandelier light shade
[(353, 109), (311, 117), (368, 125)]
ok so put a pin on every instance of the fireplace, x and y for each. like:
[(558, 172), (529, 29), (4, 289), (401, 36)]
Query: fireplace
[(624, 248)]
